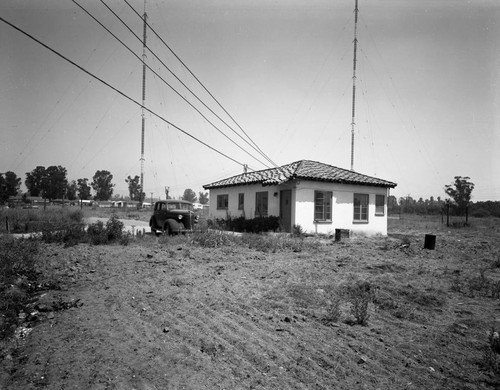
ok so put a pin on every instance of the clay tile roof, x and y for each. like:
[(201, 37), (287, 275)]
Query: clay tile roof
[(303, 169)]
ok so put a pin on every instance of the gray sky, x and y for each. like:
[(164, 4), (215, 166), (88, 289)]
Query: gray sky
[(427, 106)]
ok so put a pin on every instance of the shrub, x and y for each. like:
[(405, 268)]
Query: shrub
[(114, 228), (491, 351), (243, 225), (277, 243), (333, 309), (97, 233), (359, 295), (70, 235), (297, 230)]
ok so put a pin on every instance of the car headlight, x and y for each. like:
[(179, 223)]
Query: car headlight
[(180, 216)]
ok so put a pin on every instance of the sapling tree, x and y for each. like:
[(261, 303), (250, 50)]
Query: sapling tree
[(460, 191)]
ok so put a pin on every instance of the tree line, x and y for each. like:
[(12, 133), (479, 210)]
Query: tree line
[(458, 203), (52, 183)]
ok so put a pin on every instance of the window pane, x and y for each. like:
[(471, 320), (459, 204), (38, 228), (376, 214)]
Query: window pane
[(222, 201), (261, 200), (360, 208), (379, 204), (322, 205)]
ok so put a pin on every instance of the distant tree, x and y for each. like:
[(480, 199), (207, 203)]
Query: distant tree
[(48, 182), (83, 189), (460, 191), (9, 185), (101, 183), (392, 205), (189, 195), (134, 188), (408, 204), (55, 182), (3, 190), (203, 197), (35, 181), (71, 189)]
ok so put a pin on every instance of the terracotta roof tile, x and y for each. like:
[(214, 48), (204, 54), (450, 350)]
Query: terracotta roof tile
[(303, 169)]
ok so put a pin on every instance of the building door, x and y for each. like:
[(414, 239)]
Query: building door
[(286, 210)]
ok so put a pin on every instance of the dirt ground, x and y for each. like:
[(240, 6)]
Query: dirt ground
[(166, 314)]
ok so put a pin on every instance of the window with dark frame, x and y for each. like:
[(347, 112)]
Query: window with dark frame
[(222, 202), (241, 201), (323, 206), (361, 207), (379, 205), (261, 202)]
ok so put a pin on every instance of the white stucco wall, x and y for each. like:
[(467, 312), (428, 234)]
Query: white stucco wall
[(249, 207), (342, 208), (303, 205)]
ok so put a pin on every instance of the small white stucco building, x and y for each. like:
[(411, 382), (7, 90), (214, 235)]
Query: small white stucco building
[(319, 197)]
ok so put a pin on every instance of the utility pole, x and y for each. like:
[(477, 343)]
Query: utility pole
[(143, 102), (353, 122)]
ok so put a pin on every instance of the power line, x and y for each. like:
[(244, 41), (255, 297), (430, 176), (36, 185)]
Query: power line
[(203, 86), (118, 91), (161, 78)]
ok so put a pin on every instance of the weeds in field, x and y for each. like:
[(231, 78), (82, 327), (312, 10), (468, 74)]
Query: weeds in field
[(297, 230), (17, 275), (33, 220), (333, 309), (491, 359), (479, 285), (212, 239), (359, 294), (274, 243), (456, 283), (69, 235)]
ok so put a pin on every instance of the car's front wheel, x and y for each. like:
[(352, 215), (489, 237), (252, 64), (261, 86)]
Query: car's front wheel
[(166, 229)]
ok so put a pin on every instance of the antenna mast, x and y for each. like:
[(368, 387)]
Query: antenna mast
[(143, 101), (353, 122)]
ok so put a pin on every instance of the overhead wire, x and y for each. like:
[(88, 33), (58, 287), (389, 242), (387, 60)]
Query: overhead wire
[(161, 78), (192, 93), (118, 91), (202, 85), (416, 132)]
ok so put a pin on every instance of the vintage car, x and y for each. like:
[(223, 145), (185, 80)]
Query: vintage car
[(173, 217)]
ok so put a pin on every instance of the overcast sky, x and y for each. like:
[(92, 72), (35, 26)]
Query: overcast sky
[(427, 106)]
